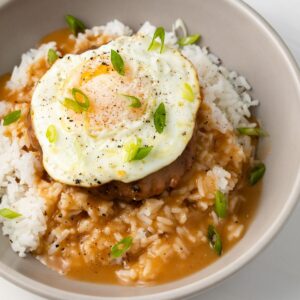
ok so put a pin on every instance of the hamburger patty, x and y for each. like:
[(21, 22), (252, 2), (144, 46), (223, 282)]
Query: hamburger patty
[(155, 183)]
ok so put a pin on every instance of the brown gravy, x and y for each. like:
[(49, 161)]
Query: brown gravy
[(199, 258)]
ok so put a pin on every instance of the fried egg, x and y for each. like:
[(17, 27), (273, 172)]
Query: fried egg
[(112, 134)]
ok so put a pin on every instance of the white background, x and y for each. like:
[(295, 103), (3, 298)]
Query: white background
[(274, 274)]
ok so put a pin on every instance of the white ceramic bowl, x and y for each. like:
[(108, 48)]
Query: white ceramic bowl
[(246, 43)]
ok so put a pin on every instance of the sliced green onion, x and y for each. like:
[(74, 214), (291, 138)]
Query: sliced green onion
[(81, 98), (121, 247), (73, 105), (179, 26), (11, 117), (159, 33), (136, 152), (221, 205), (160, 118), (9, 214), (187, 92), (74, 24), (142, 152), (188, 40), (135, 102), (252, 131), (117, 62), (131, 149), (52, 56), (257, 173), (51, 134), (214, 239)]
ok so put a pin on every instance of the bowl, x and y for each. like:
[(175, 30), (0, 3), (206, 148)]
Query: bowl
[(246, 43)]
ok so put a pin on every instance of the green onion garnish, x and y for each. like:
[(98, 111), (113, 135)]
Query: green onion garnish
[(9, 214), (135, 151), (11, 117), (252, 131), (159, 33), (257, 173), (131, 149), (81, 98), (135, 102), (51, 134), (73, 105), (160, 118), (188, 40), (187, 92), (214, 239), (142, 152), (121, 247), (74, 24), (221, 205), (52, 56), (117, 62)]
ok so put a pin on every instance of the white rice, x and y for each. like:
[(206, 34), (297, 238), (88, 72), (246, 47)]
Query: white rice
[(5, 107), (222, 178), (113, 28), (179, 28), (20, 75), (234, 231), (127, 275), (18, 193), (225, 92), (230, 109)]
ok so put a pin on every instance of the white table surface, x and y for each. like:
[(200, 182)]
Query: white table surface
[(275, 273)]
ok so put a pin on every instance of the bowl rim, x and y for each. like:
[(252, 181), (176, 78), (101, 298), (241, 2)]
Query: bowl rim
[(197, 286)]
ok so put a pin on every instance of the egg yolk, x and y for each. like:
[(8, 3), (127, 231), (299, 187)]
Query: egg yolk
[(107, 91)]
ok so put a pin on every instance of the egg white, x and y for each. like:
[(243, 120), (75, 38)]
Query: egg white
[(90, 149)]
